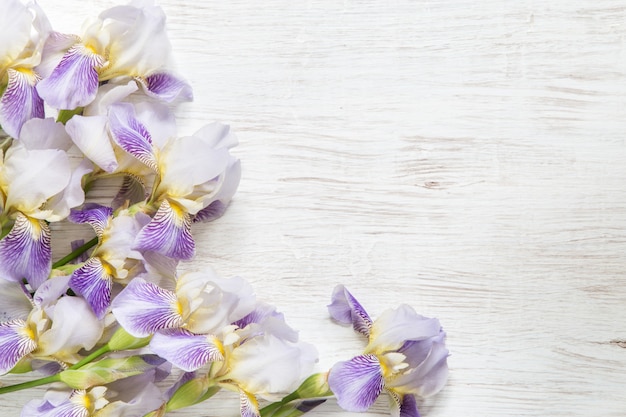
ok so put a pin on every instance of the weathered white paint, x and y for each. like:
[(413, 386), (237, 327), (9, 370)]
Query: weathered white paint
[(464, 157)]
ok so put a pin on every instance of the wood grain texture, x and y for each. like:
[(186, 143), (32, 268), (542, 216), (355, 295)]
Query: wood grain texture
[(466, 158)]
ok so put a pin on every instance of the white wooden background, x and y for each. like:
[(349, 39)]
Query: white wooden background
[(464, 157)]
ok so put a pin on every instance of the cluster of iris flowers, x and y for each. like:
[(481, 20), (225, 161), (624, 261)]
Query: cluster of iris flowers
[(109, 323)]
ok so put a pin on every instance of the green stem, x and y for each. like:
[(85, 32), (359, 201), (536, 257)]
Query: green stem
[(76, 253), (30, 384), (94, 355)]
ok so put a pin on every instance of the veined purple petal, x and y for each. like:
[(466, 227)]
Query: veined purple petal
[(95, 215), (403, 405), (260, 313), (166, 87), (93, 282), (346, 310), (213, 211), (131, 135), (186, 350), (74, 82), (248, 404), (169, 233), (357, 383), (15, 343), (25, 252), (143, 308), (20, 102)]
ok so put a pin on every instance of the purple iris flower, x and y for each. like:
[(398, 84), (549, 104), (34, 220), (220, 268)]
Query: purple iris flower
[(406, 357)]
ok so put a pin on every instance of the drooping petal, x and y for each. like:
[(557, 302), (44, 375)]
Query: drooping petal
[(213, 211), (229, 182), (166, 87), (346, 310), (429, 377), (25, 252), (131, 135), (403, 405), (169, 233), (94, 282), (143, 308), (395, 326), (90, 136), (74, 327), (248, 404), (96, 215), (15, 343), (357, 383), (217, 135), (20, 102), (186, 350), (74, 82)]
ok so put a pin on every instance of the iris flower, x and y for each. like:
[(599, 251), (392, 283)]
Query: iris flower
[(113, 260), (25, 29), (124, 42), (193, 175), (37, 186), (54, 329), (210, 322), (406, 357)]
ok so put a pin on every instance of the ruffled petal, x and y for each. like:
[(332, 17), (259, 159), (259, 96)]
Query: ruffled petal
[(50, 291), (33, 176), (346, 310), (396, 326), (248, 404), (90, 136), (25, 252), (131, 135), (96, 215), (20, 102), (74, 82), (15, 343), (93, 281), (74, 327), (166, 87), (143, 308), (357, 383), (186, 350), (73, 195), (169, 233), (268, 365)]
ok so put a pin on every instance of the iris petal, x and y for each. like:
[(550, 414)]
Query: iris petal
[(186, 350), (356, 383), (20, 102), (248, 404), (169, 233), (346, 309), (96, 215), (166, 87), (143, 308), (74, 82), (396, 326), (131, 135), (90, 136), (14, 344), (25, 252), (403, 406), (429, 377), (94, 283)]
